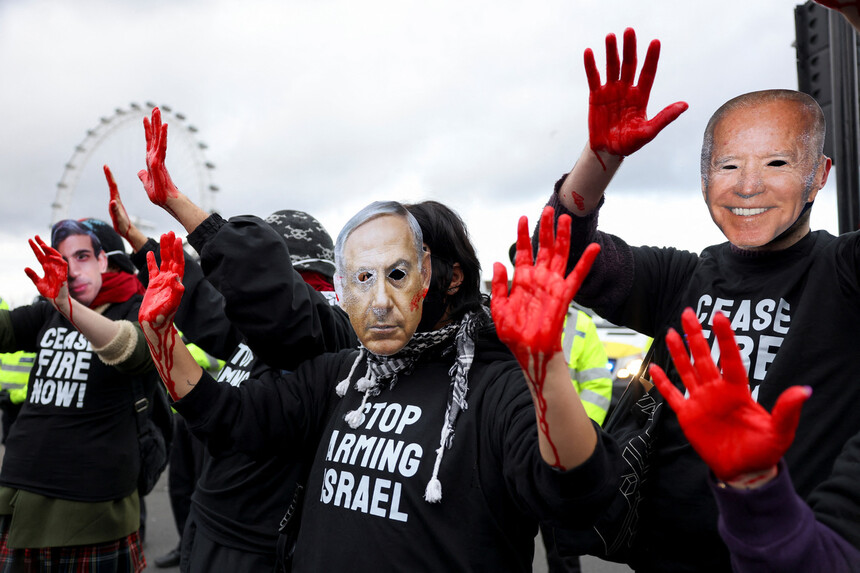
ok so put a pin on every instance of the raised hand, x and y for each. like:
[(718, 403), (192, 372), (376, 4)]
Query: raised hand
[(159, 307), (617, 110), (165, 284), (118, 214), (734, 435), (155, 178), (54, 286), (530, 318)]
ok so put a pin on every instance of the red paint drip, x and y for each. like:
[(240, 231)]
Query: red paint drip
[(162, 355), (71, 310), (537, 384), (578, 199), (597, 155)]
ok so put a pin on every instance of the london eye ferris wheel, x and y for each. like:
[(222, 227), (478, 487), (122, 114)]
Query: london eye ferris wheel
[(118, 141)]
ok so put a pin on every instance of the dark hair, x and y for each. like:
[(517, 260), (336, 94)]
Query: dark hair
[(448, 239), (64, 229)]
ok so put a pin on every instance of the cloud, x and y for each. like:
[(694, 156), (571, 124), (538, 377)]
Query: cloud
[(327, 105)]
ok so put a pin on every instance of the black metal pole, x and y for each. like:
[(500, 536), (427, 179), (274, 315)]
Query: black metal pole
[(846, 99)]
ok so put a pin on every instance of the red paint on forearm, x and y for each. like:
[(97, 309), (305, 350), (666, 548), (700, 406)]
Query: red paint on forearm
[(600, 159), (159, 306), (162, 356), (71, 311), (578, 199), (537, 385)]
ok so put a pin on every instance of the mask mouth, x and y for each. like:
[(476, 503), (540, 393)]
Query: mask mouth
[(383, 327)]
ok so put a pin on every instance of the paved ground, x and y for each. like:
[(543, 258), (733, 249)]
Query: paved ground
[(161, 536), (588, 563)]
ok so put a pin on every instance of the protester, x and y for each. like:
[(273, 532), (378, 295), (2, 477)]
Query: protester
[(406, 501), (14, 372), (74, 500), (765, 524), (587, 361), (238, 500), (185, 460), (785, 289)]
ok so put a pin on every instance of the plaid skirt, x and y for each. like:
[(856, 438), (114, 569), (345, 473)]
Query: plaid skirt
[(121, 556)]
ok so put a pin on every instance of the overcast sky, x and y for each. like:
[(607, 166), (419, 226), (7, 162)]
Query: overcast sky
[(326, 105)]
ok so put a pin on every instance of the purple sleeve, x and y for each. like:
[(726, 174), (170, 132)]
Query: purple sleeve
[(772, 529)]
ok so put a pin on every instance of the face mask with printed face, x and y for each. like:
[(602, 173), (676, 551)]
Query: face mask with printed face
[(384, 284)]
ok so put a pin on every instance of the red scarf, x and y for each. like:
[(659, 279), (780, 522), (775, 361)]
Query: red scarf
[(117, 287), (317, 281)]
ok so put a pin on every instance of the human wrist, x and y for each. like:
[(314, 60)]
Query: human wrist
[(751, 480), (582, 190), (63, 305), (136, 239), (185, 211)]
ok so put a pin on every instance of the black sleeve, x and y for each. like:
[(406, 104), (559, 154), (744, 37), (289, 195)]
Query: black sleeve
[(201, 316), (286, 413), (21, 326), (283, 319), (611, 276), (572, 498), (836, 501), (660, 275)]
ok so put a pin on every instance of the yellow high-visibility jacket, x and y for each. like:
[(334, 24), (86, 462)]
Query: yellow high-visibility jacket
[(588, 363), (15, 370)]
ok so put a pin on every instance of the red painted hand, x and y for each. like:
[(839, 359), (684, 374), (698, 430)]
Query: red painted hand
[(155, 178), (160, 304), (54, 285), (732, 433), (118, 214), (165, 285), (530, 319), (617, 120)]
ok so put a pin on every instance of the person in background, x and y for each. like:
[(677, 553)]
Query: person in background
[(234, 512), (74, 500), (14, 372), (186, 461)]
